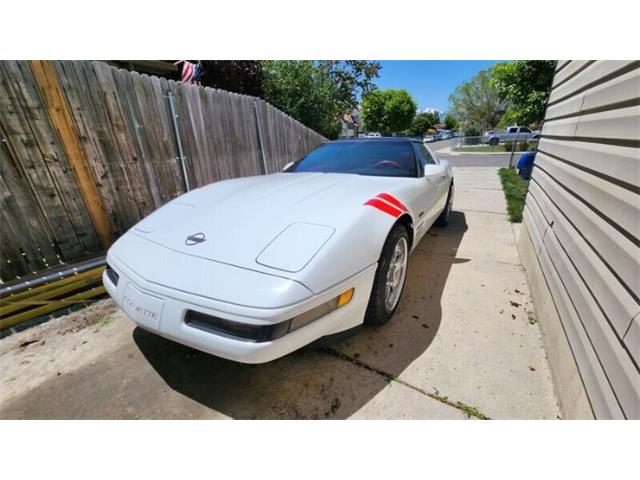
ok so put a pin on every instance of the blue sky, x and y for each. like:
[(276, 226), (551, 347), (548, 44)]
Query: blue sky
[(430, 82)]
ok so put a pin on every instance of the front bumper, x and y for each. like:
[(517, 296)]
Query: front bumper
[(164, 311)]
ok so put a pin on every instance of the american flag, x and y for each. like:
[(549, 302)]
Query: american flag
[(191, 73)]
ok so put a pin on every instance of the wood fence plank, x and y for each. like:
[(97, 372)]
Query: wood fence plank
[(214, 137), (116, 79), (155, 154), (60, 117), (41, 161), (95, 131), (127, 175), (24, 234), (138, 137)]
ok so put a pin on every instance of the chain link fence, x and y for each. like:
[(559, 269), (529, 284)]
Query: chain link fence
[(481, 145)]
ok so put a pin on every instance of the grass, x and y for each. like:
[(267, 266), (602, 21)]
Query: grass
[(109, 319), (471, 411), (468, 409), (502, 147), (515, 190)]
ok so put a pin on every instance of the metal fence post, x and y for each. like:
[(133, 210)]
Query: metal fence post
[(259, 131), (513, 148), (181, 158)]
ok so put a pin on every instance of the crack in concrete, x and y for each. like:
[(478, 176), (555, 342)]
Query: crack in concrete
[(463, 407), (480, 211)]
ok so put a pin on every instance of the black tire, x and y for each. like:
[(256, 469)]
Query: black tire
[(377, 313), (494, 141), (443, 219)]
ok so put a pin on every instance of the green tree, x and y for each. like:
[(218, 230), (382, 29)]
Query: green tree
[(434, 116), (388, 111), (240, 76), (351, 79), (451, 122), (524, 85), (422, 122), (317, 93), (477, 102)]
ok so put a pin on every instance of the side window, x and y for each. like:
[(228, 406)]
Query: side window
[(524, 130), (424, 157), (427, 155), (513, 130)]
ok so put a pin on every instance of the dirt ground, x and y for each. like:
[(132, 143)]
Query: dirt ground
[(464, 343), (57, 347)]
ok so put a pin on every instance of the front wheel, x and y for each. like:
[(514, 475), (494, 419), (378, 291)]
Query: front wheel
[(390, 277), (443, 219), (494, 141)]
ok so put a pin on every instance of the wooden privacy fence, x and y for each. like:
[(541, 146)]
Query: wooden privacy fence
[(64, 119)]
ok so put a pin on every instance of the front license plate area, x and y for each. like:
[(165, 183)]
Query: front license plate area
[(145, 309)]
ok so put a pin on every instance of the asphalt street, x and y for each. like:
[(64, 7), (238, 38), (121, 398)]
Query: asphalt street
[(442, 150)]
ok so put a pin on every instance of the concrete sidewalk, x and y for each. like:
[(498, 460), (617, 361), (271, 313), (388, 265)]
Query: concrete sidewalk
[(463, 344)]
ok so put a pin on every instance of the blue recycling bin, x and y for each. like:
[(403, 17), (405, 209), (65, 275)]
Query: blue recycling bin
[(525, 164)]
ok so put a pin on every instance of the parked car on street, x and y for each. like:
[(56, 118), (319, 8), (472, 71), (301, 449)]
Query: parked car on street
[(251, 269), (428, 139), (373, 135), (445, 134), (510, 134)]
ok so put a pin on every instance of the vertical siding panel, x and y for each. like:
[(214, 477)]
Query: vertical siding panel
[(586, 186)]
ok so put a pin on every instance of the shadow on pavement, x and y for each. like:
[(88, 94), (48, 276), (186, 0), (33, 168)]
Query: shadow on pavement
[(392, 347), (315, 383)]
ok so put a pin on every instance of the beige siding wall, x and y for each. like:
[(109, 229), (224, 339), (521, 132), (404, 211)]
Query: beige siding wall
[(583, 216)]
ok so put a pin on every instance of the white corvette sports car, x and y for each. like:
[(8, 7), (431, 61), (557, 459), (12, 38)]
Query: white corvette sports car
[(251, 269)]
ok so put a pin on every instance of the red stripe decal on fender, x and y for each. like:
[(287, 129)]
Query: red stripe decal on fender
[(392, 200), (385, 207)]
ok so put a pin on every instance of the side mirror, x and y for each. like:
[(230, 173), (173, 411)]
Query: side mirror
[(434, 172), (284, 169)]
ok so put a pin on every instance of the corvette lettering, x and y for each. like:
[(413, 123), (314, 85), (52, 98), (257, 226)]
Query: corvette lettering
[(143, 312)]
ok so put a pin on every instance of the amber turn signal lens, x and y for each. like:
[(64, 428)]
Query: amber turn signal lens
[(321, 310), (345, 297)]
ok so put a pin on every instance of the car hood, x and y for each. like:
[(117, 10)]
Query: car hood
[(272, 223)]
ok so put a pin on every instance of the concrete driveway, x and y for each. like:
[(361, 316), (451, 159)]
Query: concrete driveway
[(464, 343)]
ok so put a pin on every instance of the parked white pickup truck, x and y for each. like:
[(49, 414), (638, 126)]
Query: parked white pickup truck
[(510, 134)]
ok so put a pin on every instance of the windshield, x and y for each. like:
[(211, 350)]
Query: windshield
[(378, 158)]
